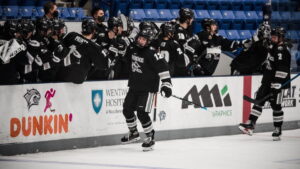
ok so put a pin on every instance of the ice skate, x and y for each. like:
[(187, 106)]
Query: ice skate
[(131, 137), (247, 128), (276, 134), (149, 142)]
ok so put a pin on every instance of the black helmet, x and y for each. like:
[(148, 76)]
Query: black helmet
[(278, 31), (144, 25), (43, 24), (24, 27), (185, 14), (167, 28), (10, 26), (58, 24), (88, 26), (114, 22), (207, 22), (147, 33)]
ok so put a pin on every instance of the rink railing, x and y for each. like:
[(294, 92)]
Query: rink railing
[(57, 116)]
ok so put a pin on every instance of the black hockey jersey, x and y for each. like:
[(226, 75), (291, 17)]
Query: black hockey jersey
[(181, 35), (81, 55), (277, 66), (171, 51), (146, 68)]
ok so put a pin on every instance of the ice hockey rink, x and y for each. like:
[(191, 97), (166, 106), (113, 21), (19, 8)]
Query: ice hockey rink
[(221, 152)]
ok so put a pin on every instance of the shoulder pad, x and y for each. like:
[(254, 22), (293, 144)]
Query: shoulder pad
[(34, 43)]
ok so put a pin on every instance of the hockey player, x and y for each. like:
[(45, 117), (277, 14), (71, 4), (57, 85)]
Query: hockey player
[(170, 49), (183, 28), (13, 50), (112, 41), (250, 60), (204, 48), (147, 67), (80, 54), (275, 73)]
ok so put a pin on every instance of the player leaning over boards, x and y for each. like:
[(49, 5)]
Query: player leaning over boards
[(146, 68), (276, 72)]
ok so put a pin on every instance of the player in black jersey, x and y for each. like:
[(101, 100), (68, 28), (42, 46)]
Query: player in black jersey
[(79, 54), (183, 28), (276, 72), (171, 50), (204, 48), (99, 17), (147, 67)]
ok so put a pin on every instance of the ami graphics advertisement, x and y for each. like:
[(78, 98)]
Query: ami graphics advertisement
[(221, 96)]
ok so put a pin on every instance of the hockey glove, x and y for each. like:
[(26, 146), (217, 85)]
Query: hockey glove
[(166, 89)]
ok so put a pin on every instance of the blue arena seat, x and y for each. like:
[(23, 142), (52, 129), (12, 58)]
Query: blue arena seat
[(175, 13), (276, 16), (245, 34), (286, 16), (63, 12), (251, 15), (26, 11), (197, 26), (201, 14), (40, 11), (187, 4), (225, 5), (215, 14), (165, 14), (122, 6), (213, 5), (248, 5), (174, 4), (161, 4), (137, 14), (26, 3), (72, 12), (200, 4), (295, 16), (1, 12), (148, 4), (222, 33), (233, 34), (135, 4), (151, 14), (236, 5), (293, 35), (228, 18), (10, 12)]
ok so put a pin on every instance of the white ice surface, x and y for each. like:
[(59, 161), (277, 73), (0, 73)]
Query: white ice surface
[(222, 152)]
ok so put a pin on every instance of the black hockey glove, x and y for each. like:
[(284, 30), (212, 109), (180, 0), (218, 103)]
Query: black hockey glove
[(166, 89)]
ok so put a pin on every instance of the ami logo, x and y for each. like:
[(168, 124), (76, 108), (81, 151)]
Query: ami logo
[(97, 100), (208, 98)]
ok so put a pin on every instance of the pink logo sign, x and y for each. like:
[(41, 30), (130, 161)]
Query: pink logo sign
[(48, 95)]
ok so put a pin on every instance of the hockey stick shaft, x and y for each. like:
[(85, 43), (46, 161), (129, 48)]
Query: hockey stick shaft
[(249, 99), (205, 108), (155, 107)]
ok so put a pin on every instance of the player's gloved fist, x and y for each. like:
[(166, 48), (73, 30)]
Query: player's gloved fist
[(166, 89)]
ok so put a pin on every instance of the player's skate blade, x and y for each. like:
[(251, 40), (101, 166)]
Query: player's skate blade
[(137, 139), (246, 130), (276, 138)]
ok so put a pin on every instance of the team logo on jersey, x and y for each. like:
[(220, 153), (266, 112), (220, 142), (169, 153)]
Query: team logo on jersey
[(97, 100), (32, 97), (136, 67)]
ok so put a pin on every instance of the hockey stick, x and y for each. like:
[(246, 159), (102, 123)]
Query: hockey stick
[(204, 108), (155, 106), (255, 101)]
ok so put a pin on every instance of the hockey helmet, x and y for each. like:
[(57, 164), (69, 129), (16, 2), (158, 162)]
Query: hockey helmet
[(167, 29), (43, 24), (24, 27), (114, 22), (148, 34), (185, 14), (278, 31), (207, 22), (88, 26), (10, 26), (58, 24)]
